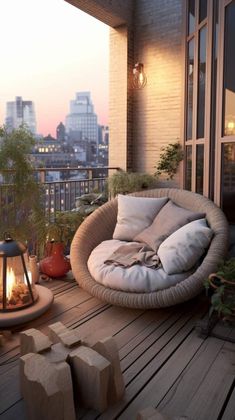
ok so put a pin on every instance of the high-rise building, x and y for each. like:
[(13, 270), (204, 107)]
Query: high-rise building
[(103, 145), (81, 123), (60, 132), (20, 112)]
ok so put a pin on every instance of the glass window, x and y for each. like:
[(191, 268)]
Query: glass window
[(201, 83), (188, 174), (213, 97), (229, 72), (199, 168), (190, 89), (202, 10), (228, 181), (191, 16)]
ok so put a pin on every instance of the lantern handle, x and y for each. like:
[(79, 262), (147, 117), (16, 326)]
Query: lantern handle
[(7, 237)]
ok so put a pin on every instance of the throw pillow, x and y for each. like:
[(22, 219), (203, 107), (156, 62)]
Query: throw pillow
[(135, 214), (181, 250), (170, 218)]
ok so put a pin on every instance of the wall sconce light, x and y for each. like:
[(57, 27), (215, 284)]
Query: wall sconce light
[(139, 77)]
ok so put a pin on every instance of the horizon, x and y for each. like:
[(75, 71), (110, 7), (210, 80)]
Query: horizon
[(37, 59)]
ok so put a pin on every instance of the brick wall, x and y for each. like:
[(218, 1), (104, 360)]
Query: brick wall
[(158, 107), (121, 143)]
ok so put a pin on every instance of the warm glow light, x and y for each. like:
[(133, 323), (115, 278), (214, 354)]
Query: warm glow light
[(10, 281), (231, 125), (139, 77), (29, 276)]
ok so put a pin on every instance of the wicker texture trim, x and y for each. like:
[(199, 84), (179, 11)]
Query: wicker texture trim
[(99, 226)]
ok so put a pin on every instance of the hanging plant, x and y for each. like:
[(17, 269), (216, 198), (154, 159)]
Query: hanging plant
[(170, 159)]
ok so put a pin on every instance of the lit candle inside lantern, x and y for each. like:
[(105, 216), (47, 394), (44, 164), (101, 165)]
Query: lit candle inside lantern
[(29, 276), (10, 281)]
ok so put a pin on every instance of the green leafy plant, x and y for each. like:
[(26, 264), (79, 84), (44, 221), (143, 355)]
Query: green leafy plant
[(221, 288), (64, 226), (21, 207), (170, 159), (123, 182)]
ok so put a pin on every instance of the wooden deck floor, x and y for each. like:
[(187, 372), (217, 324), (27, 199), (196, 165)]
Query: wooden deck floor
[(165, 363)]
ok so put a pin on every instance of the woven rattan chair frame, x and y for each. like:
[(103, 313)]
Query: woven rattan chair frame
[(99, 226)]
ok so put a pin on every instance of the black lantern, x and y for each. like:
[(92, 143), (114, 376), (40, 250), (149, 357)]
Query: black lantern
[(16, 290)]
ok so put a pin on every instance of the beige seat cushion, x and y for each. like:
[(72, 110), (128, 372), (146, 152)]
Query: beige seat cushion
[(139, 279), (170, 218), (135, 214)]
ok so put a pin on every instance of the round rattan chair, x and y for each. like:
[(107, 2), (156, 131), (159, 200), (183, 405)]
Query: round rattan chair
[(99, 226)]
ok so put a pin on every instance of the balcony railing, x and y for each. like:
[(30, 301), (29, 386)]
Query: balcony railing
[(61, 194)]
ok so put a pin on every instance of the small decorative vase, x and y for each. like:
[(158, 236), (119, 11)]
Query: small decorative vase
[(55, 264), (33, 267)]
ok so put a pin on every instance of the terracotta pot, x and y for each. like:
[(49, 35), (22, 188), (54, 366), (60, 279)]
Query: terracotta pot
[(55, 264)]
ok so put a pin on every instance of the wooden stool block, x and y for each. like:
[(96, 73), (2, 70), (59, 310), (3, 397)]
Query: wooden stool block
[(58, 332), (108, 349), (58, 353), (91, 373), (33, 341), (55, 330), (47, 388), (70, 339)]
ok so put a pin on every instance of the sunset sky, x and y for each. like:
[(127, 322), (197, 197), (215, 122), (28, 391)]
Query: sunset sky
[(49, 51)]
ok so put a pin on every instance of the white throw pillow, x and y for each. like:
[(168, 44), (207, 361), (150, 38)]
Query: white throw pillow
[(181, 250), (135, 214)]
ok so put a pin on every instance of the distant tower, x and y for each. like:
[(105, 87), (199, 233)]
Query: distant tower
[(103, 134), (20, 112), (82, 121), (60, 132)]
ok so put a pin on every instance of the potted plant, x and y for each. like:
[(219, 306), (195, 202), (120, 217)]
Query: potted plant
[(221, 287), (60, 233), (123, 182)]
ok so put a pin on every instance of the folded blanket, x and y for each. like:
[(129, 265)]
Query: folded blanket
[(135, 253)]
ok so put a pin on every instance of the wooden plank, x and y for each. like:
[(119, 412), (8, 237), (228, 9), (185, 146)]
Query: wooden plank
[(149, 339), (172, 357), (133, 333), (221, 376), (191, 379), (173, 330), (102, 307), (9, 388), (101, 327), (142, 335), (206, 403), (230, 408), (17, 411), (9, 364)]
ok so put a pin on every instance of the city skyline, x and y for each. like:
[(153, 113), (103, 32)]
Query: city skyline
[(48, 55)]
